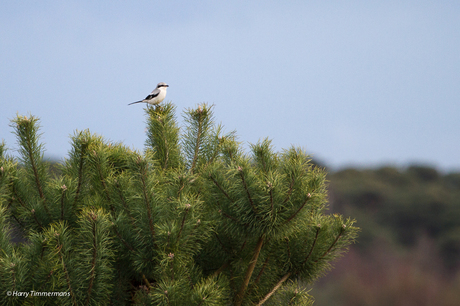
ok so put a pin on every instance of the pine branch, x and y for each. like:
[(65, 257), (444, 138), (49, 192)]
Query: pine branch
[(17, 220), (298, 210), (76, 166), (13, 274), (183, 221), (93, 218), (222, 245), (198, 143), (123, 240), (222, 268), (216, 151), (332, 245), (142, 176), (34, 168), (17, 198), (146, 281), (261, 271), (198, 138), (46, 281), (26, 131), (263, 155), (192, 233), (166, 152), (163, 135), (66, 272), (230, 217), (102, 179), (80, 173), (94, 263), (227, 263), (318, 228), (247, 191), (223, 213), (220, 188), (125, 205), (182, 186), (36, 219), (278, 284), (287, 246), (247, 277), (171, 259), (64, 188), (291, 185), (271, 198)]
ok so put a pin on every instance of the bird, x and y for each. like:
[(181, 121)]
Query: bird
[(156, 96)]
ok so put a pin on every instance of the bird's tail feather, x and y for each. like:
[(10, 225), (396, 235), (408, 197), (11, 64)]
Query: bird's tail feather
[(136, 102)]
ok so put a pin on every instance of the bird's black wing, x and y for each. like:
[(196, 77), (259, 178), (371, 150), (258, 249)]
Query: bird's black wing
[(152, 95)]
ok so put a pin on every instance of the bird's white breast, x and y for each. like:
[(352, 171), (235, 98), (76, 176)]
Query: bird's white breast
[(158, 99)]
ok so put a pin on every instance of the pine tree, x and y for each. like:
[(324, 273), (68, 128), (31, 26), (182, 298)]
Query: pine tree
[(192, 220)]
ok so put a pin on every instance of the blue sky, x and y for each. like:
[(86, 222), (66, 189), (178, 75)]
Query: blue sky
[(355, 83)]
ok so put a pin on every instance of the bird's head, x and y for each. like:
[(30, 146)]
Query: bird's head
[(162, 84)]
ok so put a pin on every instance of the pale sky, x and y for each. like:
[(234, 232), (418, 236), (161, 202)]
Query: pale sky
[(355, 83)]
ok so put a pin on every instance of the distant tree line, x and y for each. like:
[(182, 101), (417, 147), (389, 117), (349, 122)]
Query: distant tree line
[(402, 205)]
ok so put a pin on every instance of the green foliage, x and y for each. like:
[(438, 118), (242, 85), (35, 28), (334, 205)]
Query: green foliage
[(191, 221)]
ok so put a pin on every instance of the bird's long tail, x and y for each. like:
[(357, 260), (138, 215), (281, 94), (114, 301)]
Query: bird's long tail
[(136, 102)]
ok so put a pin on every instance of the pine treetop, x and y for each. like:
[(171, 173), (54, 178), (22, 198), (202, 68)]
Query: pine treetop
[(192, 220)]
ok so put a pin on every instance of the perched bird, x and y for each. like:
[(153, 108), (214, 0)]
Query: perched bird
[(156, 96)]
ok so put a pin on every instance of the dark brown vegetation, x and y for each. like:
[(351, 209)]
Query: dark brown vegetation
[(408, 251)]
